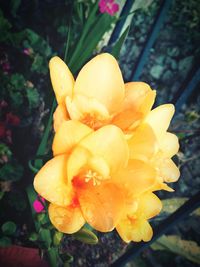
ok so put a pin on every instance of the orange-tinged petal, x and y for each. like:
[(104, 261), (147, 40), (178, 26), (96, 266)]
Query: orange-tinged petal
[(68, 135), (51, 181), (136, 178), (139, 98), (134, 230), (77, 160), (61, 78), (67, 219), (101, 79), (159, 118), (149, 205), (168, 170), (162, 186), (169, 144), (87, 110), (101, 205), (143, 143), (108, 142), (60, 115)]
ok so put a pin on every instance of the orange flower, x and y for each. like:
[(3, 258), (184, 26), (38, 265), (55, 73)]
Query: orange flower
[(99, 95), (152, 143), (151, 146), (91, 179), (111, 152), (79, 181)]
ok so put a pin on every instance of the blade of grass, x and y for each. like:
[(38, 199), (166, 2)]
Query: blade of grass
[(118, 45), (42, 147)]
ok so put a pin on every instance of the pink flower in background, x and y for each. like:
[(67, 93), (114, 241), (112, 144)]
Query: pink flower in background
[(38, 206), (108, 6), (12, 119), (6, 67), (28, 51)]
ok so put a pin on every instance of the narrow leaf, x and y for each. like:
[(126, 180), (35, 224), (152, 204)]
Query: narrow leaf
[(86, 236), (118, 45)]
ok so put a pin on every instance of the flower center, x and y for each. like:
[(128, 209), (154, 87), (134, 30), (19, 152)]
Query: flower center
[(92, 121), (93, 176)]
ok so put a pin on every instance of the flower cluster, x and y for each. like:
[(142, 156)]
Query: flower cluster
[(108, 6), (111, 151)]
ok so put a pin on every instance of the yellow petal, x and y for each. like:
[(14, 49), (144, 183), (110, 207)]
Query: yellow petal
[(67, 219), (149, 205), (61, 78), (159, 118), (51, 181), (136, 178), (169, 144), (101, 79), (108, 142), (134, 230), (77, 160), (143, 143), (60, 115), (87, 110), (138, 101), (68, 135), (168, 170), (101, 205)]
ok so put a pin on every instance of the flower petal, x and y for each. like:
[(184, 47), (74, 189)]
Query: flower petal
[(51, 181), (66, 219), (108, 142), (101, 205), (139, 98), (61, 78), (169, 144), (134, 230), (159, 118), (143, 143), (87, 110), (168, 170), (101, 79), (68, 135), (60, 115), (149, 205), (136, 178)]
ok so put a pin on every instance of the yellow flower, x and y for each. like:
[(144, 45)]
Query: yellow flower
[(111, 151), (91, 178), (152, 146), (99, 95), (134, 225), (79, 181), (152, 143)]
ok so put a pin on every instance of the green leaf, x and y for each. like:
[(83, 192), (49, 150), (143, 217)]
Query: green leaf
[(5, 27), (41, 217), (33, 237), (15, 6), (42, 147), (188, 249), (9, 228), (141, 4), (66, 257), (33, 97), (5, 242), (86, 236), (11, 172), (118, 45), (57, 238), (1, 194)]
